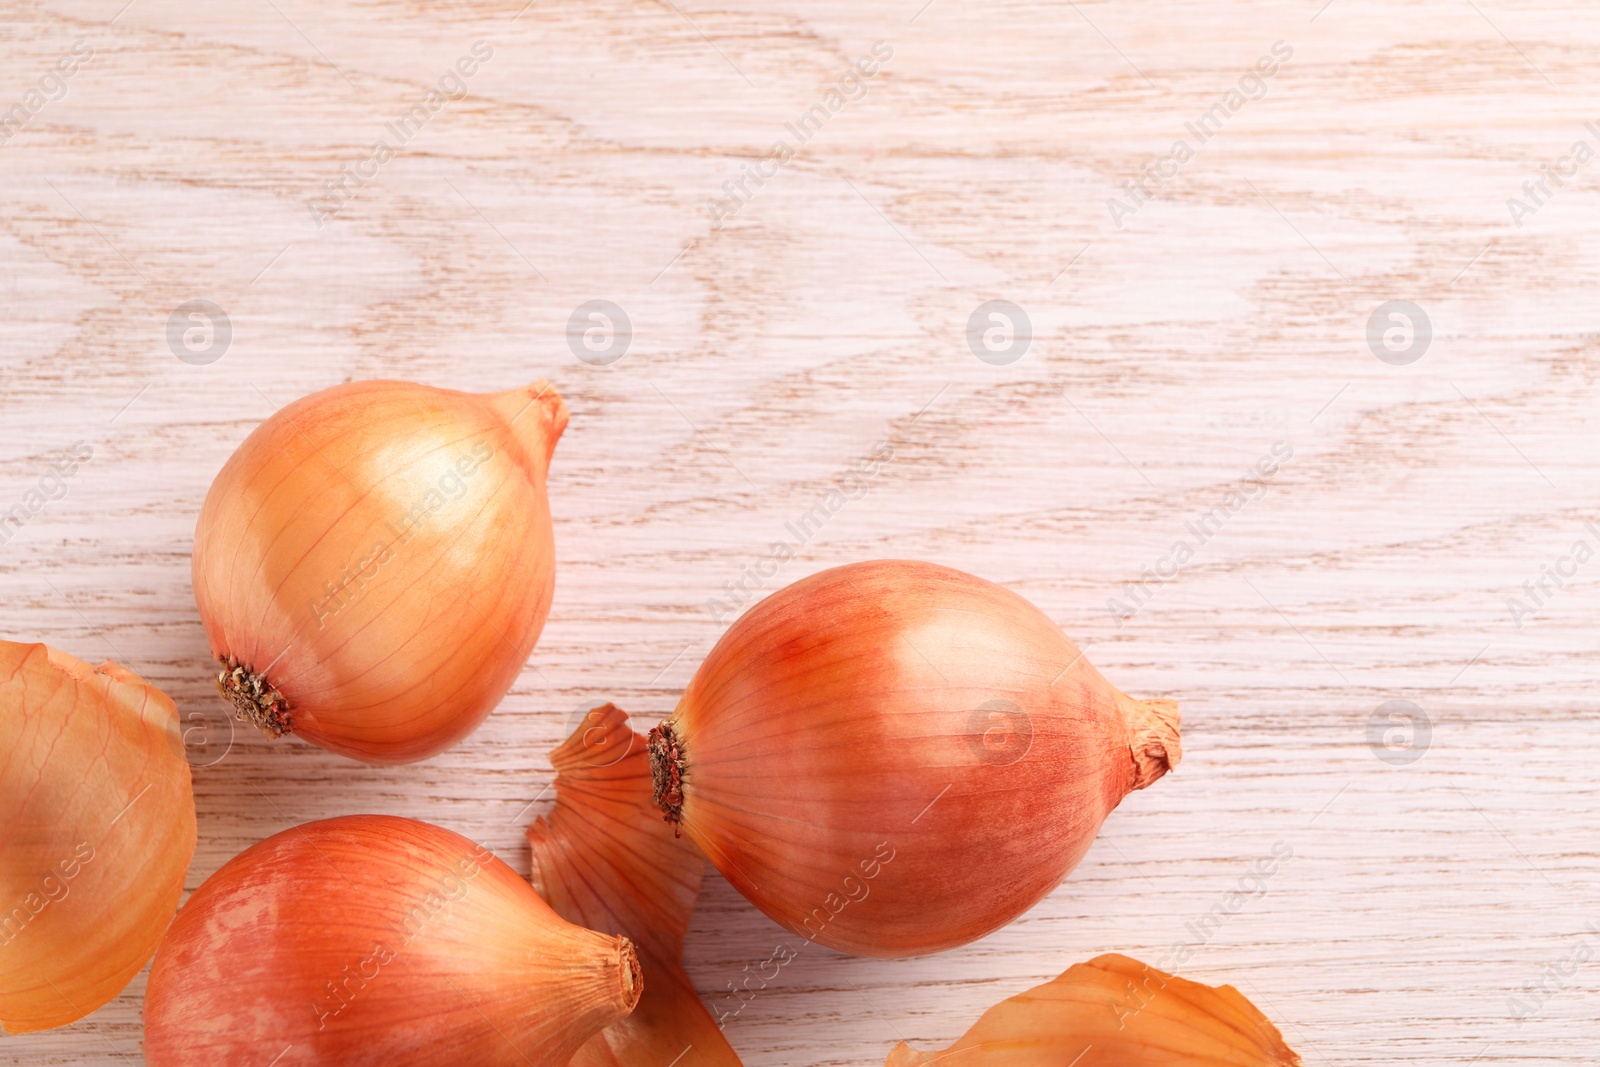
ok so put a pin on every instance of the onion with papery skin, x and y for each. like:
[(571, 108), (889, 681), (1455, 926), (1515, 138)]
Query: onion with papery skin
[(604, 859), (96, 831), (374, 564), (893, 758), (1115, 1012), (378, 941)]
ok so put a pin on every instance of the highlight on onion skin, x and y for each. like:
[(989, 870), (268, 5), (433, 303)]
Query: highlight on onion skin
[(894, 758), (97, 827), (605, 859), (376, 940), (375, 562), (1115, 1012)]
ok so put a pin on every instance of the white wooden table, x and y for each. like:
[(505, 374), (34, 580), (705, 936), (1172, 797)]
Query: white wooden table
[(830, 310)]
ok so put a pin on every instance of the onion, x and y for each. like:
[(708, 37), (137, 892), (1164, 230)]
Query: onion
[(376, 940), (604, 859), (96, 831), (374, 564), (894, 758), (1114, 1012)]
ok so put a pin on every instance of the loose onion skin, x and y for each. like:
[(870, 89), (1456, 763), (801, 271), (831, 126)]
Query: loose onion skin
[(379, 941), (604, 859), (376, 561), (97, 827), (893, 758), (1114, 1011)]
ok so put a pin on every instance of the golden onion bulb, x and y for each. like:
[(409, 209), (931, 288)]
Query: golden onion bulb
[(375, 563)]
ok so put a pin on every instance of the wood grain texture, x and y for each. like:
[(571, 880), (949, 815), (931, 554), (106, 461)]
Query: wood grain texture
[(830, 312)]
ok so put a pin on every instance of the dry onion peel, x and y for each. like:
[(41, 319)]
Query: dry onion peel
[(371, 939), (1115, 1012), (373, 565), (893, 758), (97, 827), (605, 859)]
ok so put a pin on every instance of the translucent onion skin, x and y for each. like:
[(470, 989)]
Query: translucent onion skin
[(1115, 1012), (379, 941), (894, 758), (97, 827), (604, 859), (376, 561)]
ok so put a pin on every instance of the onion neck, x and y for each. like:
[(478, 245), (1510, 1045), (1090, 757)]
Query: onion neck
[(536, 416), (606, 986), (254, 699), (1153, 742), (666, 769)]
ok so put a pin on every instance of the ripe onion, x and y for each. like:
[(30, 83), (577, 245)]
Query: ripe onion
[(893, 758), (376, 940), (96, 831), (374, 564), (605, 859), (1115, 1012)]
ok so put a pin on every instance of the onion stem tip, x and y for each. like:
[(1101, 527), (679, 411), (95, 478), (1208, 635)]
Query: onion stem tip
[(632, 974)]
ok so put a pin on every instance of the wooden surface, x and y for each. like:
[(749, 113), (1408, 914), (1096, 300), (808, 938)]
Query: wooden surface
[(830, 312)]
